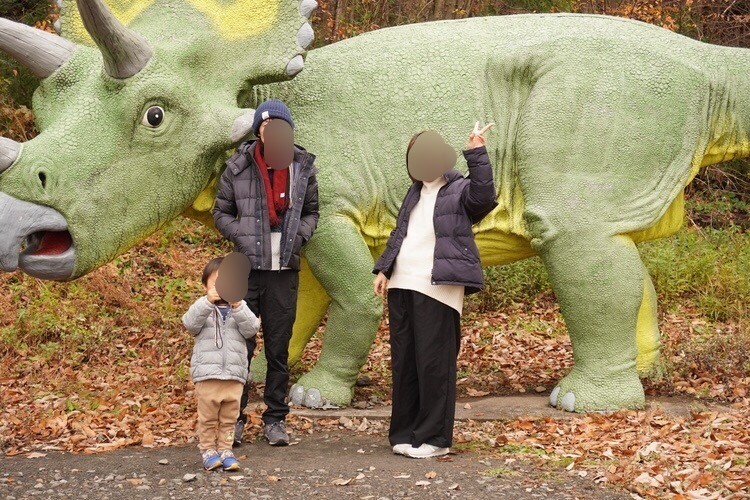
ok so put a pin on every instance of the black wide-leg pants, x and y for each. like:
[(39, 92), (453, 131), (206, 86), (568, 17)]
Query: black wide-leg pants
[(272, 296), (425, 339)]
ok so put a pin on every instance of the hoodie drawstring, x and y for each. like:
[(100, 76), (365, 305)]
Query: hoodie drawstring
[(218, 340)]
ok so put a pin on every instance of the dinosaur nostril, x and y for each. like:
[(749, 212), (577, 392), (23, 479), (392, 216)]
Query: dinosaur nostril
[(43, 179)]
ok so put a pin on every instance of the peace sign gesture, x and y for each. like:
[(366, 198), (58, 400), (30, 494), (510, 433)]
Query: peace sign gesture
[(476, 138)]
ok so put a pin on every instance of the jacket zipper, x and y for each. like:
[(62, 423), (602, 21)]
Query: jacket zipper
[(264, 197), (434, 230), (293, 193), (291, 202)]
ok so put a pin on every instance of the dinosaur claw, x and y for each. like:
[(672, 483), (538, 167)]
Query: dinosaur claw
[(297, 395), (553, 396), (568, 402), (313, 398)]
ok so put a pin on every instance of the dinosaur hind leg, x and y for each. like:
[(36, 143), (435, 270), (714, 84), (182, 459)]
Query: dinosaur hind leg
[(599, 281), (598, 159)]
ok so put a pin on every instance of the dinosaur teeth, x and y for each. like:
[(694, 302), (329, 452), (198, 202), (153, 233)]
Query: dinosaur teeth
[(296, 65), (305, 35), (307, 7)]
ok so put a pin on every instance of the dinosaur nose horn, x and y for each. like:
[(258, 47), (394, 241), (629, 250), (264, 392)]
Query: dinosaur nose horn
[(125, 52), (38, 50), (9, 151)]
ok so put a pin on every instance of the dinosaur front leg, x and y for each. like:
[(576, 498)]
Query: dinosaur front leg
[(312, 303), (599, 281), (342, 263)]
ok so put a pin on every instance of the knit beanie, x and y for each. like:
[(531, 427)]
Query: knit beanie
[(271, 109)]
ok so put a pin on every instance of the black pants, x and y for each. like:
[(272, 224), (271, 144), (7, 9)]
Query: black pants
[(425, 338), (272, 296)]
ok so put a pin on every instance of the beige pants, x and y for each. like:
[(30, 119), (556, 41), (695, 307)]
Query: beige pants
[(218, 409)]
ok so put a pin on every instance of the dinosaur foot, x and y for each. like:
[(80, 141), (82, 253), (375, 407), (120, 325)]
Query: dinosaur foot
[(320, 389), (583, 391)]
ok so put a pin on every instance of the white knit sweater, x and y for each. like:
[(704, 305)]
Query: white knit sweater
[(413, 267)]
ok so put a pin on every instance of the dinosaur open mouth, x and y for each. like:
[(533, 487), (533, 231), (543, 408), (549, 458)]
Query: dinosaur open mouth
[(47, 243), (35, 239)]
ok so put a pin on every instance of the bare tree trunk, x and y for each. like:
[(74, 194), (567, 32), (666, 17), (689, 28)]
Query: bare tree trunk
[(338, 18), (437, 10), (450, 12)]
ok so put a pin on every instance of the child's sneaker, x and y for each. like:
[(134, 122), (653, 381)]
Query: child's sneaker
[(228, 460), (211, 460)]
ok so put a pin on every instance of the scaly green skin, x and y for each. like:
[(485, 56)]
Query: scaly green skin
[(601, 123)]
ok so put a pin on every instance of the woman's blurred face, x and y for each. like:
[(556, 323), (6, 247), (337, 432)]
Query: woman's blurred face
[(429, 157)]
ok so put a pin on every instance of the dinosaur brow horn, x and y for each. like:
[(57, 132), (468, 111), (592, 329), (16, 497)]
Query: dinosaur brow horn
[(124, 51), (38, 50), (9, 151)]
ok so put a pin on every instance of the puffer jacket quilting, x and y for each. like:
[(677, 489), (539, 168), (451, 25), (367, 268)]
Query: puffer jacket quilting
[(241, 214), (227, 361), (462, 202)]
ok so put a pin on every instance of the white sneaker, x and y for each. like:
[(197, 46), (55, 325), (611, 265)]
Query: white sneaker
[(400, 449), (426, 451)]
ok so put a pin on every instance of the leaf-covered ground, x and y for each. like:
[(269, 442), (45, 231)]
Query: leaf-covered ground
[(102, 363)]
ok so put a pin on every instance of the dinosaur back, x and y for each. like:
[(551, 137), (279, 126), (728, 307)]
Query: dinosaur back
[(360, 100)]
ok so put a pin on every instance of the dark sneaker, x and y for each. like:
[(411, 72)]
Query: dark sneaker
[(239, 426), (276, 434)]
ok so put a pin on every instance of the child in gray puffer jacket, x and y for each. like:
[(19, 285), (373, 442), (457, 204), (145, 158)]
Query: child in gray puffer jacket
[(218, 367)]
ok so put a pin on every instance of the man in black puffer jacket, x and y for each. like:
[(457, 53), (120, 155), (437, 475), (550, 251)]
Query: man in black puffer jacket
[(269, 214)]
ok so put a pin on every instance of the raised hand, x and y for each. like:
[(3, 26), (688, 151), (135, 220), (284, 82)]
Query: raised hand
[(476, 138)]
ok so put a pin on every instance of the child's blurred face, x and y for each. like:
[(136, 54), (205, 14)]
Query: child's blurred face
[(211, 281)]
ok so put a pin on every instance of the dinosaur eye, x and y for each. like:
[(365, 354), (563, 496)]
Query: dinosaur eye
[(154, 117)]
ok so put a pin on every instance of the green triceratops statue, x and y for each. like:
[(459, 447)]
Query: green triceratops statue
[(601, 123)]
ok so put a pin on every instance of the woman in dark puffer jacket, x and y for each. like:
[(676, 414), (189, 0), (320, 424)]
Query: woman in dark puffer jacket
[(430, 262)]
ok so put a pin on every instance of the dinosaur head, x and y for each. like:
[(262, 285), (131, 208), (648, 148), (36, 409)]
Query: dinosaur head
[(134, 124)]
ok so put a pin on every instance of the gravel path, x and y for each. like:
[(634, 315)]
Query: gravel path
[(331, 465)]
